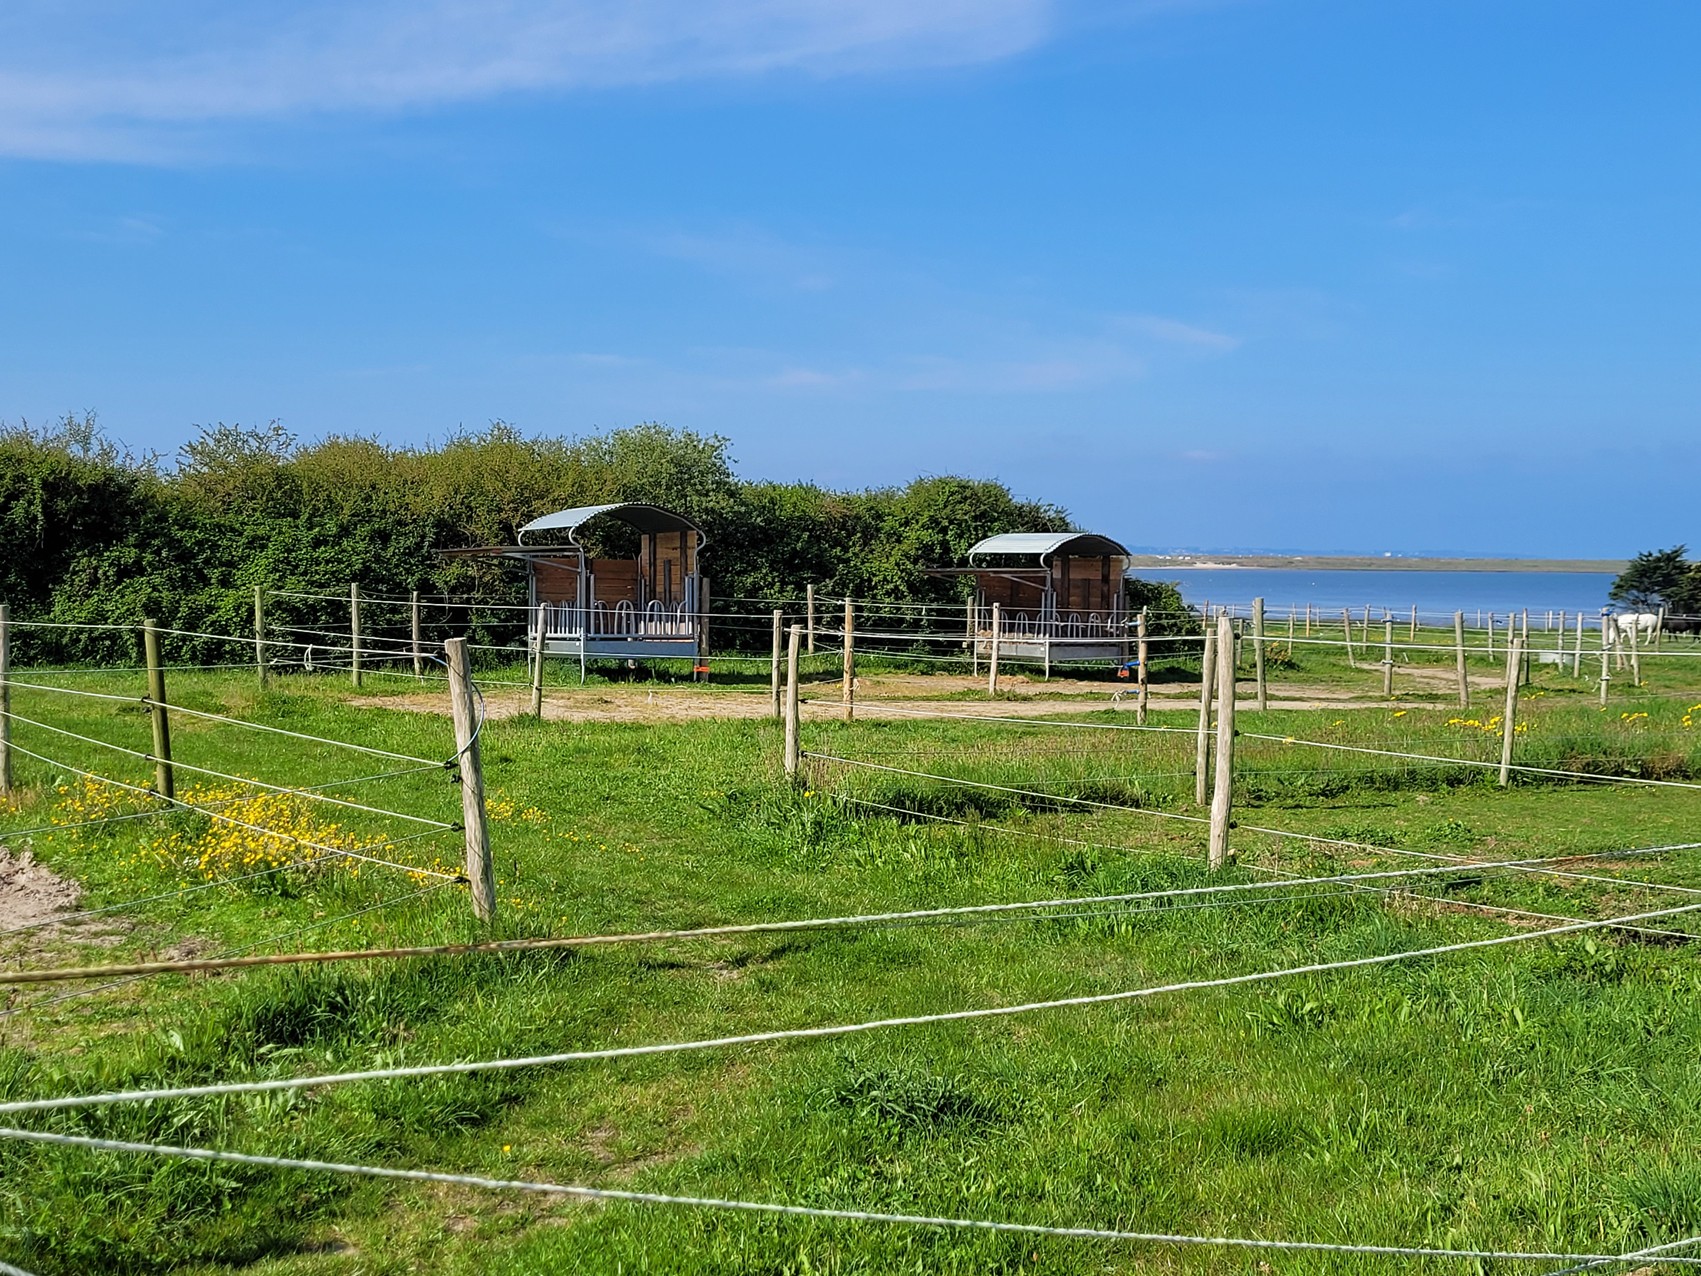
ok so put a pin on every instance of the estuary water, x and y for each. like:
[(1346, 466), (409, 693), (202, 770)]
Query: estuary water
[(1437, 594)]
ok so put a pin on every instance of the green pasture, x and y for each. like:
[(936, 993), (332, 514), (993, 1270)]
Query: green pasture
[(1530, 1096)]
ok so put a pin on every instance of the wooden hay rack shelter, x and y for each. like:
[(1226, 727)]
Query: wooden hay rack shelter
[(1059, 596), (648, 603)]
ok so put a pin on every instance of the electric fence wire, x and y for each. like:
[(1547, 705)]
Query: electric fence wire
[(802, 1211), (464, 1067)]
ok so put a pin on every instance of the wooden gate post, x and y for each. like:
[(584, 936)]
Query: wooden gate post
[(848, 691), (260, 634), (1222, 792), (1202, 746), (792, 733), (1509, 717), (774, 673), (1258, 653), (354, 633), (464, 710), (416, 629), (164, 779), (537, 660), (1387, 656), (5, 700), (992, 656), (1459, 659), (1142, 648)]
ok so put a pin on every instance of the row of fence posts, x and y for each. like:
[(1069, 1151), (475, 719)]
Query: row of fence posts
[(463, 707), (1213, 767)]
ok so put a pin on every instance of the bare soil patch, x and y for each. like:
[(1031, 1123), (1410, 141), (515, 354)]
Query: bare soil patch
[(31, 893), (900, 693)]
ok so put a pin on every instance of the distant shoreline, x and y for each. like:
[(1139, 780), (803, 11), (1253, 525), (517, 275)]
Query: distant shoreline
[(1370, 563)]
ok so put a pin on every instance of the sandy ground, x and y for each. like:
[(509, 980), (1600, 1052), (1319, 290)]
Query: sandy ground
[(900, 694), (30, 894)]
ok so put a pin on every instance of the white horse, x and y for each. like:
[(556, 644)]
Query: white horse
[(1619, 627)]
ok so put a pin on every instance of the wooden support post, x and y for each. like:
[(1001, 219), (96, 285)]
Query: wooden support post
[(480, 872), (809, 614), (260, 635), (992, 655), (1202, 747), (1142, 652), (1222, 788), (774, 673), (1509, 717), (1577, 652), (1347, 627), (1414, 623), (1291, 611), (702, 661), (1308, 620), (1258, 653), (1491, 636), (537, 661), (792, 710), (1388, 656), (1606, 672), (5, 700), (849, 688), (164, 780), (416, 628), (354, 633), (1459, 659)]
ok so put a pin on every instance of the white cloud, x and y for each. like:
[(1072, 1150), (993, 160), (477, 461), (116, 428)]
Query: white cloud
[(85, 78)]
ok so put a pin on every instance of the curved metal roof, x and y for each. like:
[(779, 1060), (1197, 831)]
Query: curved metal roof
[(646, 518), (1043, 545)]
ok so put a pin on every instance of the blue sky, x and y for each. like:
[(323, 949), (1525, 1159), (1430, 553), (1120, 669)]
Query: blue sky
[(1306, 274)]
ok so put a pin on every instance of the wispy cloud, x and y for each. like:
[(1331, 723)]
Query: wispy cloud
[(124, 78)]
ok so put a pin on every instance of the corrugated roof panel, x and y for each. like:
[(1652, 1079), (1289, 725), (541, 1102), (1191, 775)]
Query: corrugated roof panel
[(646, 518), (1044, 544)]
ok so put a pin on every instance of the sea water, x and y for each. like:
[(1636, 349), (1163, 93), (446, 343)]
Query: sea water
[(1436, 594)]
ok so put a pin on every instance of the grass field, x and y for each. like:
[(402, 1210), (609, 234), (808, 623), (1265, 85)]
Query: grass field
[(1534, 1096)]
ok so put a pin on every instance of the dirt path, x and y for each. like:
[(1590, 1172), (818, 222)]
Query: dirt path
[(900, 694)]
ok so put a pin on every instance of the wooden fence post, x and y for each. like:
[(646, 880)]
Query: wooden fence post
[(416, 629), (5, 700), (1387, 656), (792, 714), (1606, 662), (1202, 746), (700, 666), (1141, 651), (1308, 620), (1258, 653), (1291, 611), (354, 633), (1414, 623), (164, 779), (480, 872), (1459, 659), (1635, 654), (774, 673), (1509, 718), (1347, 627), (1222, 791), (849, 689), (809, 614), (537, 661), (992, 655), (1491, 637), (1577, 652), (260, 635)]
